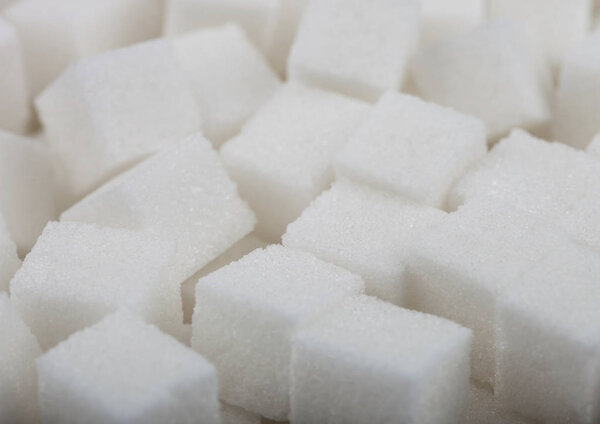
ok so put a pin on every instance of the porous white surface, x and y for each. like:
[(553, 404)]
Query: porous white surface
[(9, 261), (412, 148), (235, 415), (15, 110), (548, 329), (575, 120), (230, 78), (282, 158), (183, 195), (490, 73), (365, 231), (442, 18), (56, 33), (108, 111), (18, 376), (370, 361), (355, 47), (123, 370), (246, 313), (27, 189), (460, 266), (78, 273), (554, 26)]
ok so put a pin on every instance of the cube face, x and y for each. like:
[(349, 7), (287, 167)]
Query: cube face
[(18, 377), (368, 352), (506, 91), (78, 273), (28, 192), (412, 148), (183, 195), (282, 157), (14, 105), (229, 76), (110, 110), (549, 321), (459, 267), (246, 313), (9, 261), (344, 226), (123, 370), (441, 19)]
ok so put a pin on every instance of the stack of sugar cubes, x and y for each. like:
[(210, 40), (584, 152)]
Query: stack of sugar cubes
[(305, 211)]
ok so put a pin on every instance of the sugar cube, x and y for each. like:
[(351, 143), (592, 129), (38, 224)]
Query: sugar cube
[(368, 361), (489, 73), (594, 147), (56, 33), (18, 376), (548, 330), (246, 313), (554, 26), (108, 111), (576, 120), (282, 158), (9, 261), (286, 27), (181, 194), (15, 110), (229, 76), (123, 370), (27, 193), (458, 267), (441, 18), (484, 408), (235, 415), (78, 273), (355, 47), (365, 231), (413, 148)]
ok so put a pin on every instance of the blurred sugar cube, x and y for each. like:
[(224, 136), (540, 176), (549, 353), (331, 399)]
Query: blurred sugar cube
[(443, 18), (9, 261)]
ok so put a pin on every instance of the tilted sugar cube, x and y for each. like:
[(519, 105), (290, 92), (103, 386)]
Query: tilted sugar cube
[(575, 117), (458, 268), (553, 26), (56, 33), (442, 18), (489, 73), (412, 148), (365, 231), (548, 330), (370, 361), (355, 47), (229, 76), (28, 189), (183, 195), (282, 157), (9, 261), (123, 371), (246, 313), (15, 111), (78, 273), (594, 147), (18, 376), (108, 111), (235, 415)]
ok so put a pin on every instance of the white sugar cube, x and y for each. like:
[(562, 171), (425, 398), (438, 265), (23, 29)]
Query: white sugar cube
[(235, 415), (458, 268), (288, 21), (235, 252), (368, 361), (15, 110), (576, 120), (78, 273), (247, 312), (412, 148), (229, 76), (484, 408), (55, 33), (123, 370), (28, 189), (594, 147), (552, 25), (282, 157), (489, 73), (18, 376), (365, 231), (181, 194), (358, 48), (548, 331), (443, 18), (107, 111), (9, 261)]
